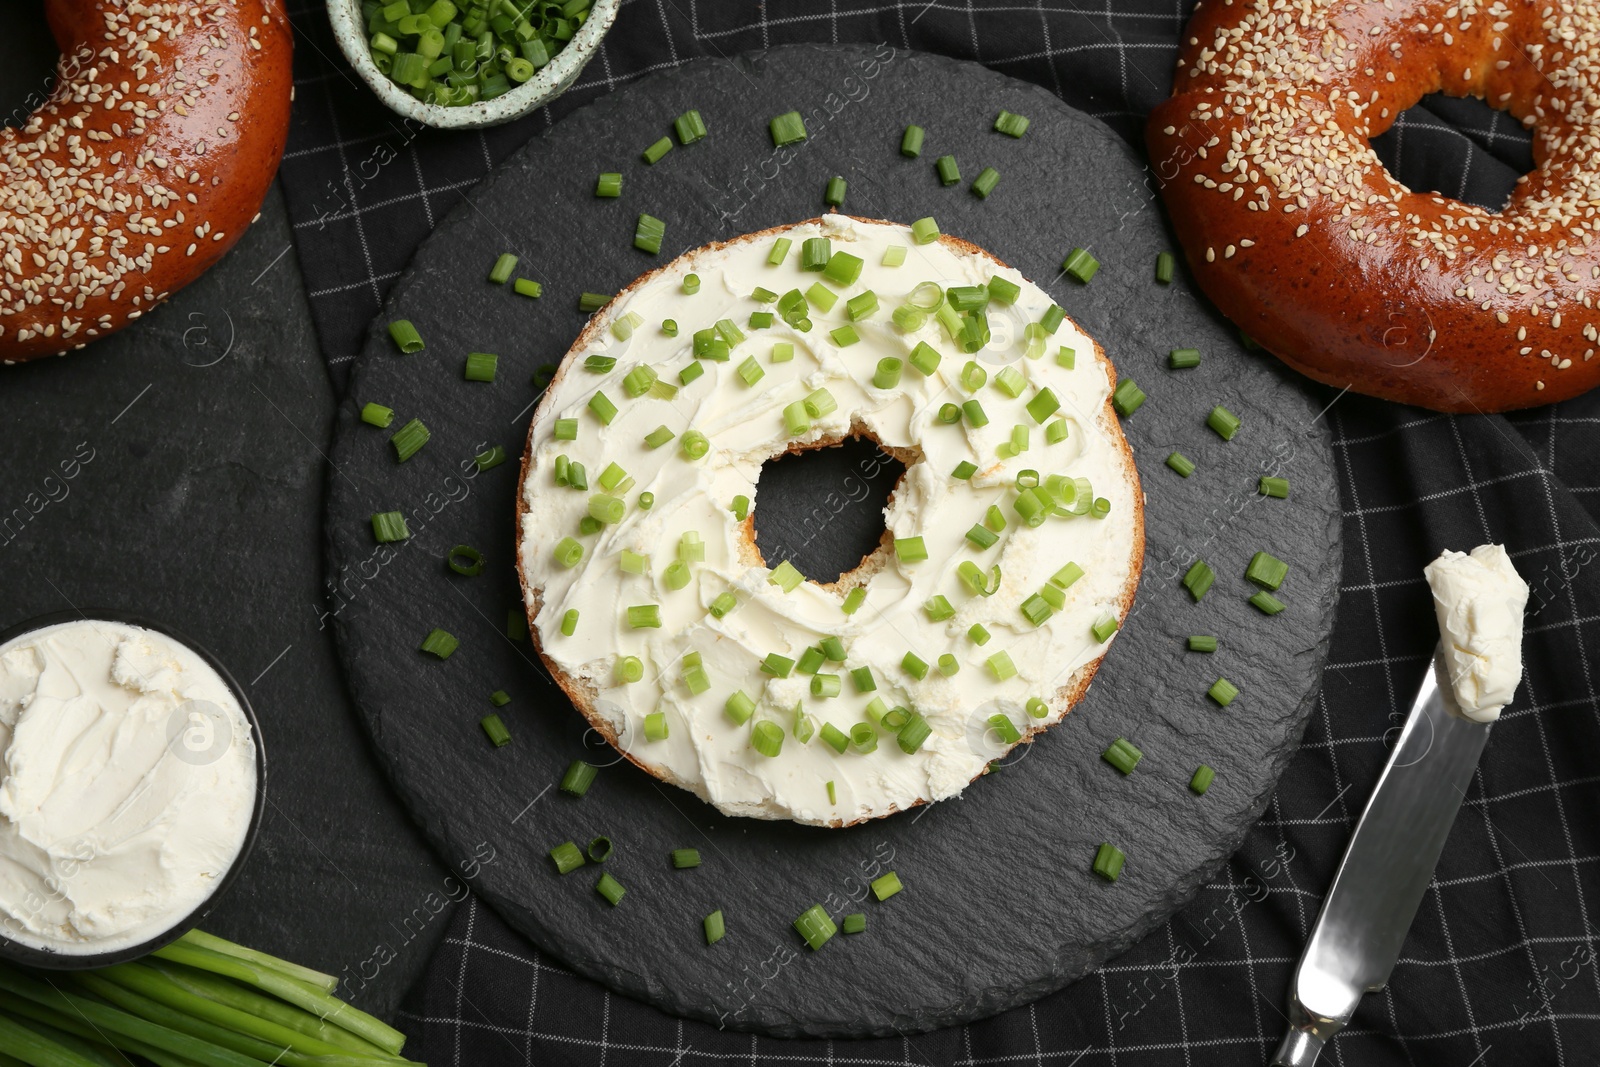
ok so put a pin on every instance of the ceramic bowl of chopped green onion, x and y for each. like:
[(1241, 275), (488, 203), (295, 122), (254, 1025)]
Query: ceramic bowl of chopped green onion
[(464, 64)]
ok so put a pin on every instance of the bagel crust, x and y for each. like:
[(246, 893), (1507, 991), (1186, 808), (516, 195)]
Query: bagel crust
[(145, 165), (1295, 229)]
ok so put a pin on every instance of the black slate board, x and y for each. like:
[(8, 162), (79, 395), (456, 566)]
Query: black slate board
[(1000, 906)]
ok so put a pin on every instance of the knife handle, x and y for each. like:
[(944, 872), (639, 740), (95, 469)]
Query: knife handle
[(1305, 1039)]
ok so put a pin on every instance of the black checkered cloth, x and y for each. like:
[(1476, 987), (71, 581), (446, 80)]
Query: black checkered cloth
[(1500, 967)]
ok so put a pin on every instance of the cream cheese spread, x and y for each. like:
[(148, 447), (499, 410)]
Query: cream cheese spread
[(126, 788), (705, 750), (1479, 599)]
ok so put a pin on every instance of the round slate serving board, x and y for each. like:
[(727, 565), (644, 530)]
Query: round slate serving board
[(1000, 906)]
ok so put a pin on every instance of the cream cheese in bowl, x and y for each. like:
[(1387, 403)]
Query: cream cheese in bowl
[(128, 786)]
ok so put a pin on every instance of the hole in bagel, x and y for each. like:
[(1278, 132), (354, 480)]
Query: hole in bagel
[(1459, 147), (28, 55), (821, 508)]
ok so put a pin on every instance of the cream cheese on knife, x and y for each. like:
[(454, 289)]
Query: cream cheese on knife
[(1479, 599)]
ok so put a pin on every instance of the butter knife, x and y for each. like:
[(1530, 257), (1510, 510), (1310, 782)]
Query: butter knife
[(1385, 871)]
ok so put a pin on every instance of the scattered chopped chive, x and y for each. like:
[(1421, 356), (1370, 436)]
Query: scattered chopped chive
[(973, 410), (776, 665), (811, 660), (863, 739), (647, 500), (864, 682), (389, 526), (723, 603), (1184, 358), (691, 549), (464, 559), (739, 707), (938, 607), (608, 886), (826, 685), (836, 738), (788, 128), (1019, 439), (832, 648), (691, 284), (913, 732), (685, 858), (568, 857), (1122, 755), (1051, 320), (565, 430), (1164, 265), (925, 231), (1036, 609), (1202, 643), (1108, 860), (780, 251), (886, 886), (949, 173), (893, 256), (994, 518), (740, 507), (1037, 708), (964, 470), (376, 415), (973, 578), (655, 726), (578, 778), (600, 849), (1267, 571), (608, 509), (1181, 463), (480, 366), (592, 302), (648, 233), (695, 679), (814, 255), (1010, 382), (1104, 627), (813, 924), (694, 444), (1127, 397), (910, 549), (1067, 357), (490, 458), (914, 665), (654, 153), (862, 305), (709, 344), (981, 536), (644, 616), (843, 269), (1080, 265), (967, 297), (978, 635), (1001, 667), (762, 295), (880, 714), (608, 184), (1056, 432), (887, 376), (1224, 422), (854, 924), (1053, 595), (1033, 338), (676, 575), (1043, 405), (634, 562), (603, 408), (1223, 691), (795, 420), (782, 352), (750, 372), (844, 336), (405, 336), (1274, 487), (766, 737), (1202, 779), (715, 928), (1266, 603), (504, 264), (948, 665), (833, 194), (1198, 579), (911, 142), (690, 127), (1063, 578), (439, 643), (1004, 729), (408, 439), (821, 297), (1011, 125), (599, 364), (569, 622), (590, 525), (690, 373), (785, 576), (528, 287), (820, 402), (657, 437), (985, 182), (949, 413)]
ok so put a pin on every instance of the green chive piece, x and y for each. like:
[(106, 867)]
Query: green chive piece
[(1267, 571), (981, 536), (599, 364), (964, 470), (975, 414), (785, 576), (893, 256), (782, 352), (948, 665), (925, 231), (911, 142), (376, 415), (1080, 265), (608, 886), (854, 599), (820, 402), (629, 669), (1127, 397), (914, 665), (694, 444), (600, 849), (648, 233), (439, 643), (1001, 667), (1198, 579), (465, 560), (408, 439), (780, 251), (1202, 779), (565, 430), (766, 737), (723, 603), (1010, 382), (939, 608), (603, 408), (949, 173), (690, 373), (813, 924), (863, 739), (1266, 603), (854, 924), (1104, 627), (1004, 729), (389, 526), (836, 738), (844, 336), (949, 413), (1223, 691), (1183, 358), (1164, 265), (776, 665), (1043, 405), (608, 185), (578, 778), (887, 376), (608, 509), (788, 128), (569, 622), (528, 287), (1108, 859), (655, 726), (654, 153), (1181, 463), (1202, 643), (691, 284), (814, 255), (658, 437), (826, 685), (886, 886), (978, 634), (568, 857), (690, 127), (715, 927), (1052, 319), (1056, 432), (592, 302), (843, 268), (862, 305), (1063, 578), (833, 648), (685, 858), (833, 193), (821, 297), (480, 366), (750, 372), (985, 182), (739, 707), (1066, 357), (1036, 609), (1011, 125), (810, 660), (647, 500), (864, 682), (1122, 755), (1037, 708), (644, 616), (405, 336), (910, 549), (1274, 487), (504, 264), (1224, 422)]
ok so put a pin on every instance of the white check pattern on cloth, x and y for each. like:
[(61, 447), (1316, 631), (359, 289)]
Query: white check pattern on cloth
[(1500, 967)]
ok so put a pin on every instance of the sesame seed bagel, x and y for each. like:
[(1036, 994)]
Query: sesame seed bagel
[(729, 674), (1300, 235), (147, 162)]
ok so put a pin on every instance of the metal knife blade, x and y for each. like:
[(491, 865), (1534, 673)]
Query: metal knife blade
[(1385, 871)]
